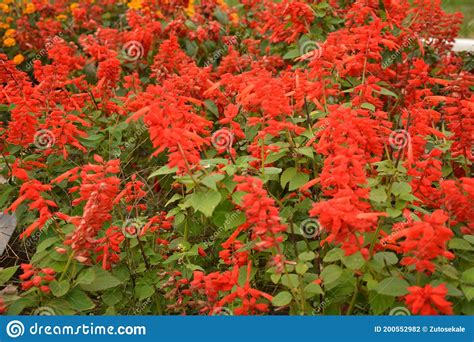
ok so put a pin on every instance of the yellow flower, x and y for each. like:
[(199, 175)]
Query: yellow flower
[(234, 17), (30, 8), (8, 1), (4, 8), (18, 59), (222, 4), (135, 4), (10, 19), (159, 14), (73, 6), (4, 26), (190, 9), (9, 42), (61, 17), (10, 33)]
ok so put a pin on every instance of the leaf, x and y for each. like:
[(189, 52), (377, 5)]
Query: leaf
[(211, 180), (368, 106), (306, 151), (301, 268), (307, 256), (59, 288), (7, 273), (43, 245), (468, 276), (143, 291), (282, 299), (469, 238), (272, 170), (461, 244), (103, 280), (468, 291), (79, 301), (165, 170), (380, 303), (205, 202), (211, 107), (378, 195), (286, 176), (401, 188), (334, 255), (386, 258), (290, 280), (298, 180), (86, 277), (354, 261), (393, 286), (331, 273), (312, 289), (387, 92)]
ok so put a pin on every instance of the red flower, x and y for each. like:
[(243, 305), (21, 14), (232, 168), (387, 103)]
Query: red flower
[(428, 300), (426, 240)]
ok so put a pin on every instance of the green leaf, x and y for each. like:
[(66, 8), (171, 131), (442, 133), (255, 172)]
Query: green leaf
[(112, 296), (7, 273), (272, 170), (380, 303), (292, 54), (287, 175), (211, 180), (143, 291), (103, 280), (331, 274), (205, 202), (461, 244), (165, 170), (387, 92), (290, 280), (211, 107), (282, 299), (86, 277), (79, 301), (354, 261), (468, 291), (306, 151), (334, 255), (368, 106), (307, 256), (401, 188), (298, 180), (59, 288), (469, 238), (311, 290), (301, 268), (378, 195), (386, 258), (468, 276), (393, 286), (43, 245)]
